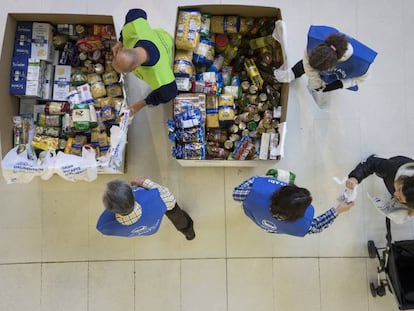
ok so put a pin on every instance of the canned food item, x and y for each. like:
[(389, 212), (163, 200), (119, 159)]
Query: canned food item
[(228, 144), (234, 137), (245, 85)]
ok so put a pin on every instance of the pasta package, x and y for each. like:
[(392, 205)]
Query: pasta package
[(226, 109), (187, 34), (212, 111), (225, 24), (183, 66)]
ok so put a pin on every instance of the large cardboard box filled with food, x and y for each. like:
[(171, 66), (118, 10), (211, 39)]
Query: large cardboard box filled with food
[(230, 110), (61, 98)]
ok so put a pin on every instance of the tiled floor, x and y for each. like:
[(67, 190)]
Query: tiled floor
[(52, 258)]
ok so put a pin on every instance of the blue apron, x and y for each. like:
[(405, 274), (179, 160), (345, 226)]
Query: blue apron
[(356, 66), (257, 207), (153, 209)]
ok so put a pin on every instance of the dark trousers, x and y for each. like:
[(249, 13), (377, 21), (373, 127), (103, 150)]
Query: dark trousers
[(180, 219)]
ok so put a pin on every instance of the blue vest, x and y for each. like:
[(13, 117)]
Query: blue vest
[(356, 66), (153, 209), (257, 207)]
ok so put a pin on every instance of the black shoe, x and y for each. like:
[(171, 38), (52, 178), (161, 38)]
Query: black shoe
[(189, 234), (189, 231)]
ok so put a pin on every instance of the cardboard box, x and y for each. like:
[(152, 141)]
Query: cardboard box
[(34, 88), (242, 11), (36, 69), (18, 75), (10, 103), (23, 39), (42, 46), (61, 83), (48, 82)]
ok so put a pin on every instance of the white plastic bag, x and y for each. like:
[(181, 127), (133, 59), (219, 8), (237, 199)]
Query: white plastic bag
[(21, 165), (348, 195), (75, 168)]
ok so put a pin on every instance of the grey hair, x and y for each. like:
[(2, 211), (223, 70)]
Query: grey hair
[(118, 197)]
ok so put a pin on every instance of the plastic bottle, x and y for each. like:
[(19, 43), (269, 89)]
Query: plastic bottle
[(217, 64), (282, 175), (261, 42), (258, 23), (235, 39), (229, 54), (253, 73)]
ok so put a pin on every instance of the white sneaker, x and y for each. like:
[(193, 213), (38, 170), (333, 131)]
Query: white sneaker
[(284, 76)]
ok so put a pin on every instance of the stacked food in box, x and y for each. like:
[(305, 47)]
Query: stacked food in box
[(64, 72), (229, 106)]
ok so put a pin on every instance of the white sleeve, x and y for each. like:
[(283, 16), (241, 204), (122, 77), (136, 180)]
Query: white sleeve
[(315, 81)]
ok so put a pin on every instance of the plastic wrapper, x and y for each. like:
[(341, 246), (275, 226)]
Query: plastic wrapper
[(212, 119), (45, 142), (244, 150), (204, 52), (183, 66), (110, 77), (90, 44), (98, 90), (225, 24), (114, 90), (226, 109), (187, 34), (185, 102), (192, 151)]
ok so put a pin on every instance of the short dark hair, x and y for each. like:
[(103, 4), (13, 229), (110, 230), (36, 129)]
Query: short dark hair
[(290, 202), (408, 189), (326, 55), (118, 197)]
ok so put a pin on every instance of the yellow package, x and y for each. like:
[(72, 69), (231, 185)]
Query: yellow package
[(187, 34), (226, 109), (212, 111), (225, 24), (183, 65), (45, 142)]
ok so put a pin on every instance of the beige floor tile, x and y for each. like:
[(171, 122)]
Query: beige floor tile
[(250, 284), (65, 286), (343, 284), (294, 278), (111, 286), (164, 276), (20, 245), (20, 287), (203, 285)]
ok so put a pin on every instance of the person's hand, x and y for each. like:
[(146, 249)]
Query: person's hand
[(116, 48), (351, 183), (344, 207), (138, 181), (136, 106)]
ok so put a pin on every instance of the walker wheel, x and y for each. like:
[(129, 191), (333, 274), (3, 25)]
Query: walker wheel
[(373, 289), (381, 290), (372, 250)]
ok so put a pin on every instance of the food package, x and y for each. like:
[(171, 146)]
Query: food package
[(186, 101), (183, 66), (187, 35), (225, 24)]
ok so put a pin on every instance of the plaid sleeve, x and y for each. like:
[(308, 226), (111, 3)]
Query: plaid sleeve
[(323, 221), (165, 194), (241, 191)]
